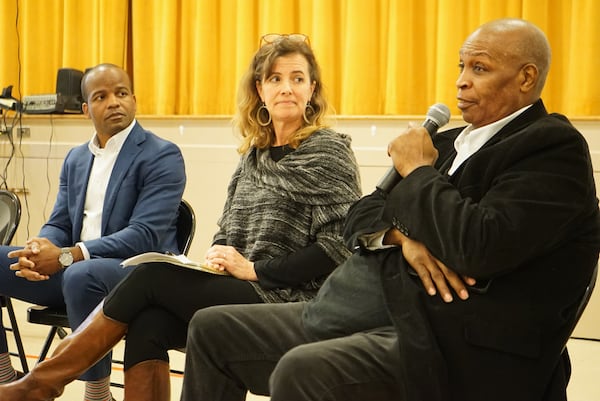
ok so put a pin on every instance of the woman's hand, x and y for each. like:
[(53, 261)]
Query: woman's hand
[(227, 258)]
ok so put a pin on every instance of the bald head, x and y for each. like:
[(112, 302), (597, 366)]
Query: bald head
[(504, 65), (519, 42), (108, 100), (100, 69)]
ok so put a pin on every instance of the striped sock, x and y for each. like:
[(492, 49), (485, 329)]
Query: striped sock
[(7, 372), (98, 390)]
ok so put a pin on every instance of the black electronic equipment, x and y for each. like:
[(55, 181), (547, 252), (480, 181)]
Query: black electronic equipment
[(66, 100)]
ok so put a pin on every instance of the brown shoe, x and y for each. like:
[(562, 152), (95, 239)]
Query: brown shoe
[(83, 348)]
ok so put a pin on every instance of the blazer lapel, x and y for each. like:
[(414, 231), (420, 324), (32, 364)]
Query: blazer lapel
[(536, 111), (79, 190), (126, 157)]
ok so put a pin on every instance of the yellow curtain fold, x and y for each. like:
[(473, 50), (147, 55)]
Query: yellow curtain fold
[(377, 57), (46, 35), (154, 52)]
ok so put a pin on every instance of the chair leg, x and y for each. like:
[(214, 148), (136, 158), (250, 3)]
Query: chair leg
[(47, 343), (14, 327), (62, 333)]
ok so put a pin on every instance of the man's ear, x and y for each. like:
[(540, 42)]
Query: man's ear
[(529, 77), (84, 108)]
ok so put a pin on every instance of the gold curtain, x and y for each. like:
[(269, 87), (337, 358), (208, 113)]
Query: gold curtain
[(46, 35), (378, 57)]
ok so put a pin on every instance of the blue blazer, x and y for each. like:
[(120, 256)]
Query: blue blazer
[(141, 202)]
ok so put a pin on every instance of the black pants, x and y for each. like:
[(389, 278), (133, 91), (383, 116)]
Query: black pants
[(158, 300), (264, 349)]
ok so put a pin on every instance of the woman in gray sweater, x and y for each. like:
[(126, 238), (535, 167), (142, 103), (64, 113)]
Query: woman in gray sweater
[(279, 235)]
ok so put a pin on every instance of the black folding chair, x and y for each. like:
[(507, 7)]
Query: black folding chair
[(57, 317), (10, 216)]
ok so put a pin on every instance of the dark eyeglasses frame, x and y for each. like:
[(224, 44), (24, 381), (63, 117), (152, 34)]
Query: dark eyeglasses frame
[(271, 38)]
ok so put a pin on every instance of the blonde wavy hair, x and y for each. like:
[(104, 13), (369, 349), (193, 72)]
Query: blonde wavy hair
[(249, 102)]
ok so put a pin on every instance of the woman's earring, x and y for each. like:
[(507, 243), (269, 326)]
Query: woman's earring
[(260, 111), (309, 112)]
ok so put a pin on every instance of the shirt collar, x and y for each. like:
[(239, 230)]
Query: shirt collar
[(114, 143), (474, 139), (470, 140)]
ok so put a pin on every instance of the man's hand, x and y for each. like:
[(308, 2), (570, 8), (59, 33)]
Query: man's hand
[(412, 149), (432, 272), (37, 261)]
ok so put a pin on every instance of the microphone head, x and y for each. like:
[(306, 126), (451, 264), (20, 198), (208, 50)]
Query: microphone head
[(439, 113)]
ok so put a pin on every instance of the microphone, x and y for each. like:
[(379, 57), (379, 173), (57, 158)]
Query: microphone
[(438, 115)]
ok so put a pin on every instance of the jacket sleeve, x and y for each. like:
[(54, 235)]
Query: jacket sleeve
[(58, 228), (144, 213), (365, 217), (517, 199)]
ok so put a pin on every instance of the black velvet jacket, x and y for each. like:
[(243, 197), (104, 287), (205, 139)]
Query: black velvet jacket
[(521, 216)]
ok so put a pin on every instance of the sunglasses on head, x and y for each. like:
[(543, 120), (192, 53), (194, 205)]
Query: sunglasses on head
[(271, 38)]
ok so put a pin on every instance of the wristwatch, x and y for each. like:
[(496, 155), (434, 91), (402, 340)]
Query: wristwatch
[(65, 258)]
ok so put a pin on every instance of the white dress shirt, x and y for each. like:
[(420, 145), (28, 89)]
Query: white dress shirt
[(471, 140), (103, 164)]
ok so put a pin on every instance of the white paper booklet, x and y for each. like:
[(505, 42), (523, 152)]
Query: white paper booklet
[(179, 260)]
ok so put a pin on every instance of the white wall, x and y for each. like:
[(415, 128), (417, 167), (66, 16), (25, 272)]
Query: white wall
[(208, 145)]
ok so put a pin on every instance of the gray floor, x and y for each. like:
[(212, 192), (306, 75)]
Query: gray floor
[(584, 384)]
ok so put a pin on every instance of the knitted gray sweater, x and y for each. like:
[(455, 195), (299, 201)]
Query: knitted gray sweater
[(276, 208)]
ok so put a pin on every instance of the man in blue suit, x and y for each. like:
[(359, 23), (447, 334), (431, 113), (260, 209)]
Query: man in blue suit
[(118, 197)]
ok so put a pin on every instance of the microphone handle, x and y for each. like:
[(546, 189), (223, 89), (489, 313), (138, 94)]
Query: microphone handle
[(391, 178), (431, 127)]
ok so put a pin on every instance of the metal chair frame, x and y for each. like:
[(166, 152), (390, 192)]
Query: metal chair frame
[(57, 317), (13, 204)]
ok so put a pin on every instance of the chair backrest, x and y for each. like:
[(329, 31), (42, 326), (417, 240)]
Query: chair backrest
[(586, 295), (10, 215), (585, 298), (186, 227)]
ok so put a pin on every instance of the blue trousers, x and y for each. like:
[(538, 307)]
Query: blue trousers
[(81, 287)]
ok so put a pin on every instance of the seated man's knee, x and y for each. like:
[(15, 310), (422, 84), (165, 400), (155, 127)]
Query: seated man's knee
[(74, 278), (93, 277), (205, 322), (302, 364)]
